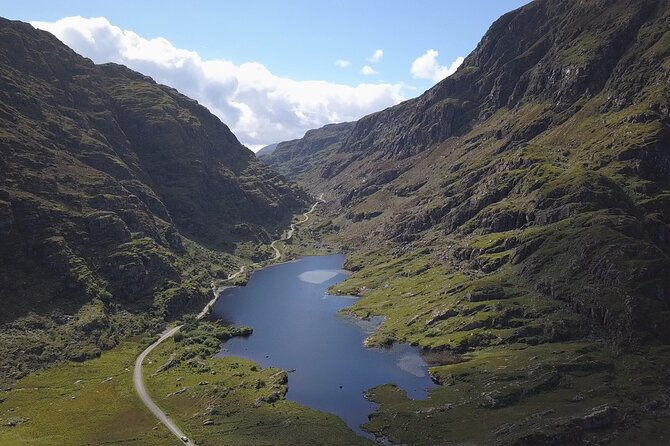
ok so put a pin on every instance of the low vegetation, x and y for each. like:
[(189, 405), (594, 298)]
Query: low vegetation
[(233, 400), (72, 403)]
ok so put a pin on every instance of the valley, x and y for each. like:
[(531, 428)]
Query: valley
[(486, 263)]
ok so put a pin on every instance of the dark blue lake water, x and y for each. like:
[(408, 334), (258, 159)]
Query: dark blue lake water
[(297, 326)]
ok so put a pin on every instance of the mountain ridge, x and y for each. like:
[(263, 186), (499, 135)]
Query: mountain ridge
[(267, 150), (292, 158), (120, 200), (382, 158)]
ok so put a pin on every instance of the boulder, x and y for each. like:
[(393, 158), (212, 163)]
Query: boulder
[(486, 293), (598, 417), (440, 315), (107, 226)]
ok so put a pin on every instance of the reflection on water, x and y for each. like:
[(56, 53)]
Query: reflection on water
[(318, 276), (412, 364), (297, 326)]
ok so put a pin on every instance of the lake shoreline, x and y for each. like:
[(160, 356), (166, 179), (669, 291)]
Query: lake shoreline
[(333, 367)]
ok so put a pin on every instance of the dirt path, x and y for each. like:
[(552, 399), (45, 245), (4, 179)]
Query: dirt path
[(293, 227), (138, 379)]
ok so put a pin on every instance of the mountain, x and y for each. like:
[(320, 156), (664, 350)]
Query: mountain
[(266, 150), (514, 221), (302, 156), (119, 200)]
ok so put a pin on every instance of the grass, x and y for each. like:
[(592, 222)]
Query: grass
[(93, 402), (232, 400)]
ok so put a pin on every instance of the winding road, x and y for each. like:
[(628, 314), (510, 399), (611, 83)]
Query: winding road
[(138, 379), (292, 228)]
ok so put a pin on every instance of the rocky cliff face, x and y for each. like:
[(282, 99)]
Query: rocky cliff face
[(305, 155), (522, 203), (559, 119), (112, 188), (551, 51)]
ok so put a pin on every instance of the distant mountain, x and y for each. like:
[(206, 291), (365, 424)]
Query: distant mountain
[(517, 217), (298, 156), (266, 150), (113, 189)]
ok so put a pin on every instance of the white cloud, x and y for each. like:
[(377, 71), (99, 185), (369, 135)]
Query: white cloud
[(427, 67), (376, 56), (260, 107), (368, 71), (342, 63)]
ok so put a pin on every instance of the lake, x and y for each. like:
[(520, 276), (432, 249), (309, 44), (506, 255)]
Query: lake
[(297, 326)]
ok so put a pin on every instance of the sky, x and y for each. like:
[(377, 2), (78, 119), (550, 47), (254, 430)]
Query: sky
[(272, 70)]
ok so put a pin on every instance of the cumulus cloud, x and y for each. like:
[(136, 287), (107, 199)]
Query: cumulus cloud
[(342, 63), (427, 67), (376, 56), (259, 106), (368, 71)]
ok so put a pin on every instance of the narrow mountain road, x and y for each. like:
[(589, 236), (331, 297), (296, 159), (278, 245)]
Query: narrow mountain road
[(138, 379), (144, 395), (292, 228)]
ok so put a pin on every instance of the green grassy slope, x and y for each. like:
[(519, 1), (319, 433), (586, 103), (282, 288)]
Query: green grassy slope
[(81, 403)]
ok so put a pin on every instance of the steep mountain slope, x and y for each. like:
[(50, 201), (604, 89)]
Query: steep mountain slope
[(303, 156), (108, 181), (517, 216), (266, 150)]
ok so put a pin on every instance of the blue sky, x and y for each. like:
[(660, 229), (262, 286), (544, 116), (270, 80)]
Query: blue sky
[(295, 40)]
